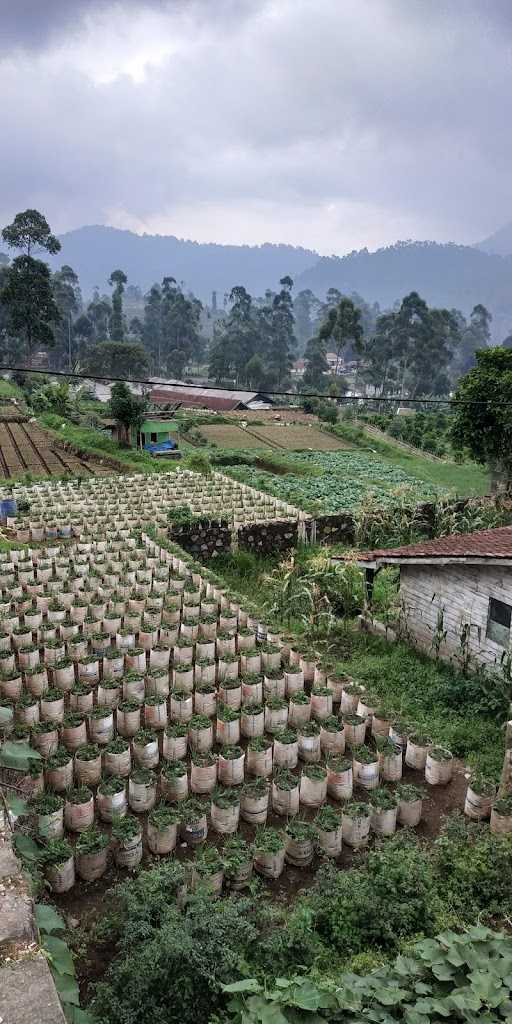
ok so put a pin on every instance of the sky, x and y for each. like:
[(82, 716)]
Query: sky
[(332, 124)]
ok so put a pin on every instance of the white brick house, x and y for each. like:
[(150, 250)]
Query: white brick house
[(455, 595)]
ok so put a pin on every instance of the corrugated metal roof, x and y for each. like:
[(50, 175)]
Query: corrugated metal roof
[(193, 400), (495, 543), (179, 387)]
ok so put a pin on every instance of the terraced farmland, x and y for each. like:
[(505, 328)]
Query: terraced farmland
[(298, 437), (225, 435), (26, 448), (343, 483), (290, 437)]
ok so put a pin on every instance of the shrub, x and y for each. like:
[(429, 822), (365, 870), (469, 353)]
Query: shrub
[(388, 900), (473, 870), (171, 963)]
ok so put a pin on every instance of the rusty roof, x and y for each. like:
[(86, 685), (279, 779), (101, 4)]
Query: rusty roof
[(495, 543), (193, 401)]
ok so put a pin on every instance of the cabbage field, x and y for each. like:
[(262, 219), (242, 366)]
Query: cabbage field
[(339, 481)]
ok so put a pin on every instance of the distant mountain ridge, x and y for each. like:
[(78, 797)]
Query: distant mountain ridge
[(448, 275), (95, 251), (454, 276), (499, 243)]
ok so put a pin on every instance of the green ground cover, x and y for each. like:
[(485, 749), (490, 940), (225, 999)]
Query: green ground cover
[(341, 481), (465, 479)]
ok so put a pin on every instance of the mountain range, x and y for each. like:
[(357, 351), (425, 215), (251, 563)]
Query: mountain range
[(455, 276), (94, 252)]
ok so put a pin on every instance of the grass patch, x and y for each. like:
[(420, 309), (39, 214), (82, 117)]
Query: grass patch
[(96, 443), (10, 390), (464, 480), (463, 713)]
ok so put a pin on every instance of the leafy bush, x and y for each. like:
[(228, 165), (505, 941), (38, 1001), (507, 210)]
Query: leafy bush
[(474, 870), (388, 900), (171, 963)]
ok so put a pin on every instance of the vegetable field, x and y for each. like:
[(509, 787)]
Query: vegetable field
[(26, 448), (225, 435), (344, 483), (290, 437)]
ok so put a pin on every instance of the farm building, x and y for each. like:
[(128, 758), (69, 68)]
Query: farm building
[(214, 399), (455, 593)]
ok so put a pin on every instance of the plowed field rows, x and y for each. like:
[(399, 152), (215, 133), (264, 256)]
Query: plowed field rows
[(295, 437), (299, 438), (26, 448), (226, 436)]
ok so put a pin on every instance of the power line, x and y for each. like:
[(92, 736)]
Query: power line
[(280, 394)]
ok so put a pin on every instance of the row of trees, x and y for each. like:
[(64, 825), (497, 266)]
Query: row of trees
[(412, 349), (255, 343), (44, 311)]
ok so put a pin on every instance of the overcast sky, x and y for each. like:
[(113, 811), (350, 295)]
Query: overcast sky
[(332, 124)]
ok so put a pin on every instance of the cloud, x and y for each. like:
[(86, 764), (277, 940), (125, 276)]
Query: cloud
[(328, 124)]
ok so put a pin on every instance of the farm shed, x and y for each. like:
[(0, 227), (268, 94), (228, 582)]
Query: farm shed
[(455, 593), (215, 399)]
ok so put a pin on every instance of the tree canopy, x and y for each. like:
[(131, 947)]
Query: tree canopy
[(128, 409), (485, 427), (30, 232), (116, 359)]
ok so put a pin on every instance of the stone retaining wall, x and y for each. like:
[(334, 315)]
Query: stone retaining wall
[(204, 539), (267, 538)]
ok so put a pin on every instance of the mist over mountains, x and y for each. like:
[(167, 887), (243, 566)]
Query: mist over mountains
[(95, 251), (447, 275)]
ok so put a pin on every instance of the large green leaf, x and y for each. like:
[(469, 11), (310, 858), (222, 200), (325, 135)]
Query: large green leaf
[(391, 996), (61, 958), (443, 971), (26, 848), (17, 755), (48, 920), (245, 985), (67, 988), (306, 996)]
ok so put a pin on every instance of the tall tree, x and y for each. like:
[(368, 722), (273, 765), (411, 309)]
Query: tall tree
[(128, 410), (99, 312), (307, 309), (27, 292), (31, 233), (475, 335), (117, 281), (342, 327), (83, 334), (179, 330), (316, 368), (236, 338), (412, 349), (483, 423), (116, 359), (68, 298), (280, 356), (152, 329)]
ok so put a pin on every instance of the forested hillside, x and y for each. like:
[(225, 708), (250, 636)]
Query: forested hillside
[(451, 276), (93, 251)]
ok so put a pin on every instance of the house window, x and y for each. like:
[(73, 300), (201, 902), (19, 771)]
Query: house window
[(498, 623), (153, 438)]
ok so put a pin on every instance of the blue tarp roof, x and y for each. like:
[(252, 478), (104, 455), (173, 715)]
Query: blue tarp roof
[(162, 446)]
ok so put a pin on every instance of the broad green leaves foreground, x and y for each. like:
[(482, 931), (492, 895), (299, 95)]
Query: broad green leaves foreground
[(466, 977)]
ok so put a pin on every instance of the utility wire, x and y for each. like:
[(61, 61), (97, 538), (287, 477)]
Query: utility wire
[(298, 395)]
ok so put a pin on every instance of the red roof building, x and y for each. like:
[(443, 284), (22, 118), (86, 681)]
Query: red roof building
[(455, 595)]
